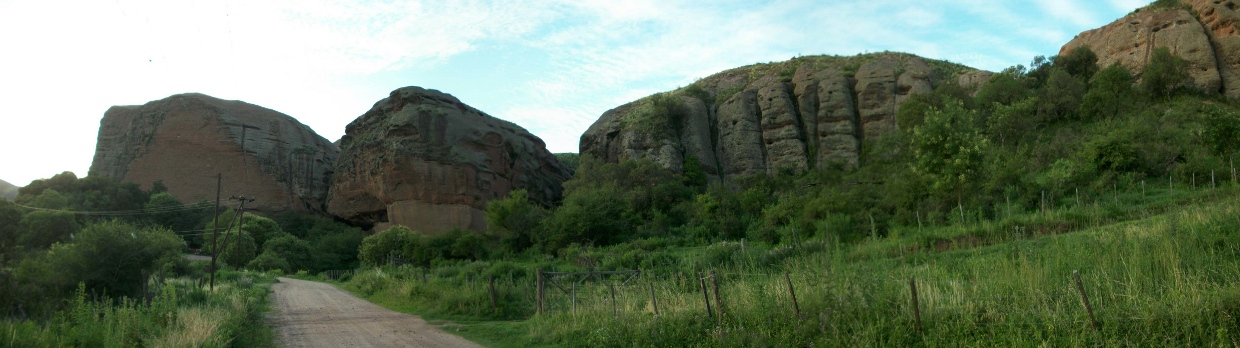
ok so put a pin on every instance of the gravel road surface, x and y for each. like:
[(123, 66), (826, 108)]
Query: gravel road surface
[(313, 314)]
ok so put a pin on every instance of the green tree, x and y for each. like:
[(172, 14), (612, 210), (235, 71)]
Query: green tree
[(297, 252), (1164, 74), (376, 248), (261, 229), (1081, 63), (107, 256), (166, 210), (1111, 95), (949, 149), (597, 216), (1061, 96), (1222, 129), (268, 261), (50, 199), (237, 253), (515, 220), (42, 228), (1010, 123), (10, 221), (1004, 88)]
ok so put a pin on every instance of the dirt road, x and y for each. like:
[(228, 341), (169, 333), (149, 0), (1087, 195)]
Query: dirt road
[(313, 314)]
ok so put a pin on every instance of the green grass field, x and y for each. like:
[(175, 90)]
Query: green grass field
[(1159, 269)]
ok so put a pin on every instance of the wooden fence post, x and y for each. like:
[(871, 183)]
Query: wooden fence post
[(494, 301), (424, 274), (654, 302), (539, 290), (912, 284), (1085, 299), (796, 308), (714, 282), (705, 294), (612, 289)]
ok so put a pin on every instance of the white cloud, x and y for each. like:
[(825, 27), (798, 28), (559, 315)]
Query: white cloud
[(1069, 10), (1128, 5), (325, 62)]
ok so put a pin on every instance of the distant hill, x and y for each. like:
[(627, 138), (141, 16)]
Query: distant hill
[(7, 190)]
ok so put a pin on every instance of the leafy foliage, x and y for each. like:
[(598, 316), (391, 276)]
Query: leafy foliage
[(1164, 73)]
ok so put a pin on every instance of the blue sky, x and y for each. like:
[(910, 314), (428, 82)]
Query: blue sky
[(550, 66)]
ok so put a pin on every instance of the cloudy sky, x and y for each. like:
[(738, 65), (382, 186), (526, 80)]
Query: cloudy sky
[(550, 66)]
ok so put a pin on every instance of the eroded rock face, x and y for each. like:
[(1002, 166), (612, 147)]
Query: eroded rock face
[(1221, 19), (422, 159), (799, 115), (187, 139), (1130, 41)]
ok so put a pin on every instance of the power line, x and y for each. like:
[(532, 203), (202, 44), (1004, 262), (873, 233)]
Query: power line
[(166, 209)]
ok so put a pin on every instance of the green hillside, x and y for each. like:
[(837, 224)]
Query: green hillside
[(989, 203), (7, 190)]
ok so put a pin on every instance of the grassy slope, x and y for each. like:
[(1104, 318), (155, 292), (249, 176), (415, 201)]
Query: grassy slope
[(1160, 270), (7, 190)]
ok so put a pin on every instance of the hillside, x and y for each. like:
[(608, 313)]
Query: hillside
[(7, 190), (807, 112), (1206, 33)]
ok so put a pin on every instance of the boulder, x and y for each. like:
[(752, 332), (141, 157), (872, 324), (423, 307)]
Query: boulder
[(1131, 41), (1221, 20), (187, 139), (423, 159)]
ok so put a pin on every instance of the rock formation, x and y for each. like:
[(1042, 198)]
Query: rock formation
[(8, 190), (422, 159), (1206, 33), (809, 112), (186, 139)]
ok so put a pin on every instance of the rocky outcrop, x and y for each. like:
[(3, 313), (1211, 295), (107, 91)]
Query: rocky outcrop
[(422, 159), (8, 190), (1206, 35), (809, 112), (187, 139)]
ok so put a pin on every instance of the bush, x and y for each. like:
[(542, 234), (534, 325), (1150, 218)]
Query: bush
[(296, 252), (269, 260), (376, 248)]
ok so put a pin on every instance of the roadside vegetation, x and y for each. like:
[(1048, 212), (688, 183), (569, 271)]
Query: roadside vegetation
[(990, 203)]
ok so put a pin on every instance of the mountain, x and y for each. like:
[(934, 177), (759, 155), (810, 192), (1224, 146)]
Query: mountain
[(423, 159), (1204, 32), (187, 139), (808, 112), (8, 190)]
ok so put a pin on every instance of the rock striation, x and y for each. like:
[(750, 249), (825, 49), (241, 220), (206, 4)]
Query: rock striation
[(1206, 33), (809, 112), (187, 139), (423, 159)]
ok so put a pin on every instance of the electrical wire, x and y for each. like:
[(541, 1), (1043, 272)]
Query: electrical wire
[(160, 210)]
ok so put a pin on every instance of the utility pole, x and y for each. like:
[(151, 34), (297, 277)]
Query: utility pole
[(215, 251), (240, 217)]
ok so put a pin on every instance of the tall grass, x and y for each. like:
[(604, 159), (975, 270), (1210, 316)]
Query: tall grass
[(182, 314), (1159, 270)]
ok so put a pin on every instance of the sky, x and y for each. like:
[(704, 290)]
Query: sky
[(551, 66)]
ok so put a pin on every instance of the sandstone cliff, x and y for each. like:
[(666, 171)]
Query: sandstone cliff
[(1204, 32), (422, 159), (809, 112), (186, 139)]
